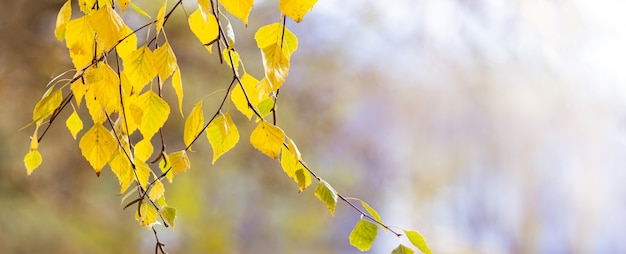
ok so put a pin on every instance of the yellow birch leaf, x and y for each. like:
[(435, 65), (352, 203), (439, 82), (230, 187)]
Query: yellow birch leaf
[(143, 149), (296, 9), (205, 29), (64, 16), (290, 159), (74, 124), (239, 99), (161, 17), (155, 113), (97, 146), (79, 38), (231, 55), (139, 68), (418, 241), (205, 6), (123, 4), (123, 170), (128, 118), (143, 172), (139, 10), (78, 90), (325, 193), (268, 139), (239, 8), (107, 88), (222, 134), (146, 216), (95, 108), (178, 88), (363, 235), (32, 160), (156, 191), (165, 61), (108, 25), (179, 161), (303, 178), (265, 106), (276, 51), (128, 45), (46, 106), (168, 214), (193, 124)]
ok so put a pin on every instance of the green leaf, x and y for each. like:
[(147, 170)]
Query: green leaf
[(327, 195), (417, 240), (168, 214), (401, 249), (363, 235)]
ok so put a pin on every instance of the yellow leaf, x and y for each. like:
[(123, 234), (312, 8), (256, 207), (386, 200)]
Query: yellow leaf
[(143, 172), (146, 216), (296, 9), (325, 193), (108, 26), (139, 10), (128, 118), (168, 214), (205, 29), (78, 90), (193, 124), (178, 88), (276, 51), (161, 17), (139, 68), (155, 113), (79, 38), (106, 89), (123, 170), (239, 8), (123, 4), (46, 106), (128, 45), (223, 135), (239, 99), (64, 16), (303, 178), (289, 159), (179, 162), (87, 6), (165, 61), (231, 55), (205, 7), (156, 191), (74, 124), (95, 109), (97, 146), (272, 34), (268, 139), (143, 149), (32, 160)]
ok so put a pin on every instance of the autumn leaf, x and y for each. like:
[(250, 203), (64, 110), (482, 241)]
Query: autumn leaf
[(121, 167), (178, 88), (143, 172), (417, 240), (179, 162), (97, 146), (165, 61), (240, 8), (155, 113), (108, 26), (156, 191), (277, 45), (268, 139), (123, 4), (168, 214), (161, 17), (140, 67), (64, 16), (146, 216), (223, 135), (32, 160), (128, 45), (143, 149), (238, 97), (363, 235), (205, 29), (46, 106), (325, 193), (74, 124), (296, 9), (79, 38), (193, 124)]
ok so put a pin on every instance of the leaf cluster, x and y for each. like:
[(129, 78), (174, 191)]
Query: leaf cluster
[(120, 80)]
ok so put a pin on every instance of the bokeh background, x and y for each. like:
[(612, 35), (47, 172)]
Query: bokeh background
[(489, 126)]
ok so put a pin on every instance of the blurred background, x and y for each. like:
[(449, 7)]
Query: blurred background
[(489, 126)]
